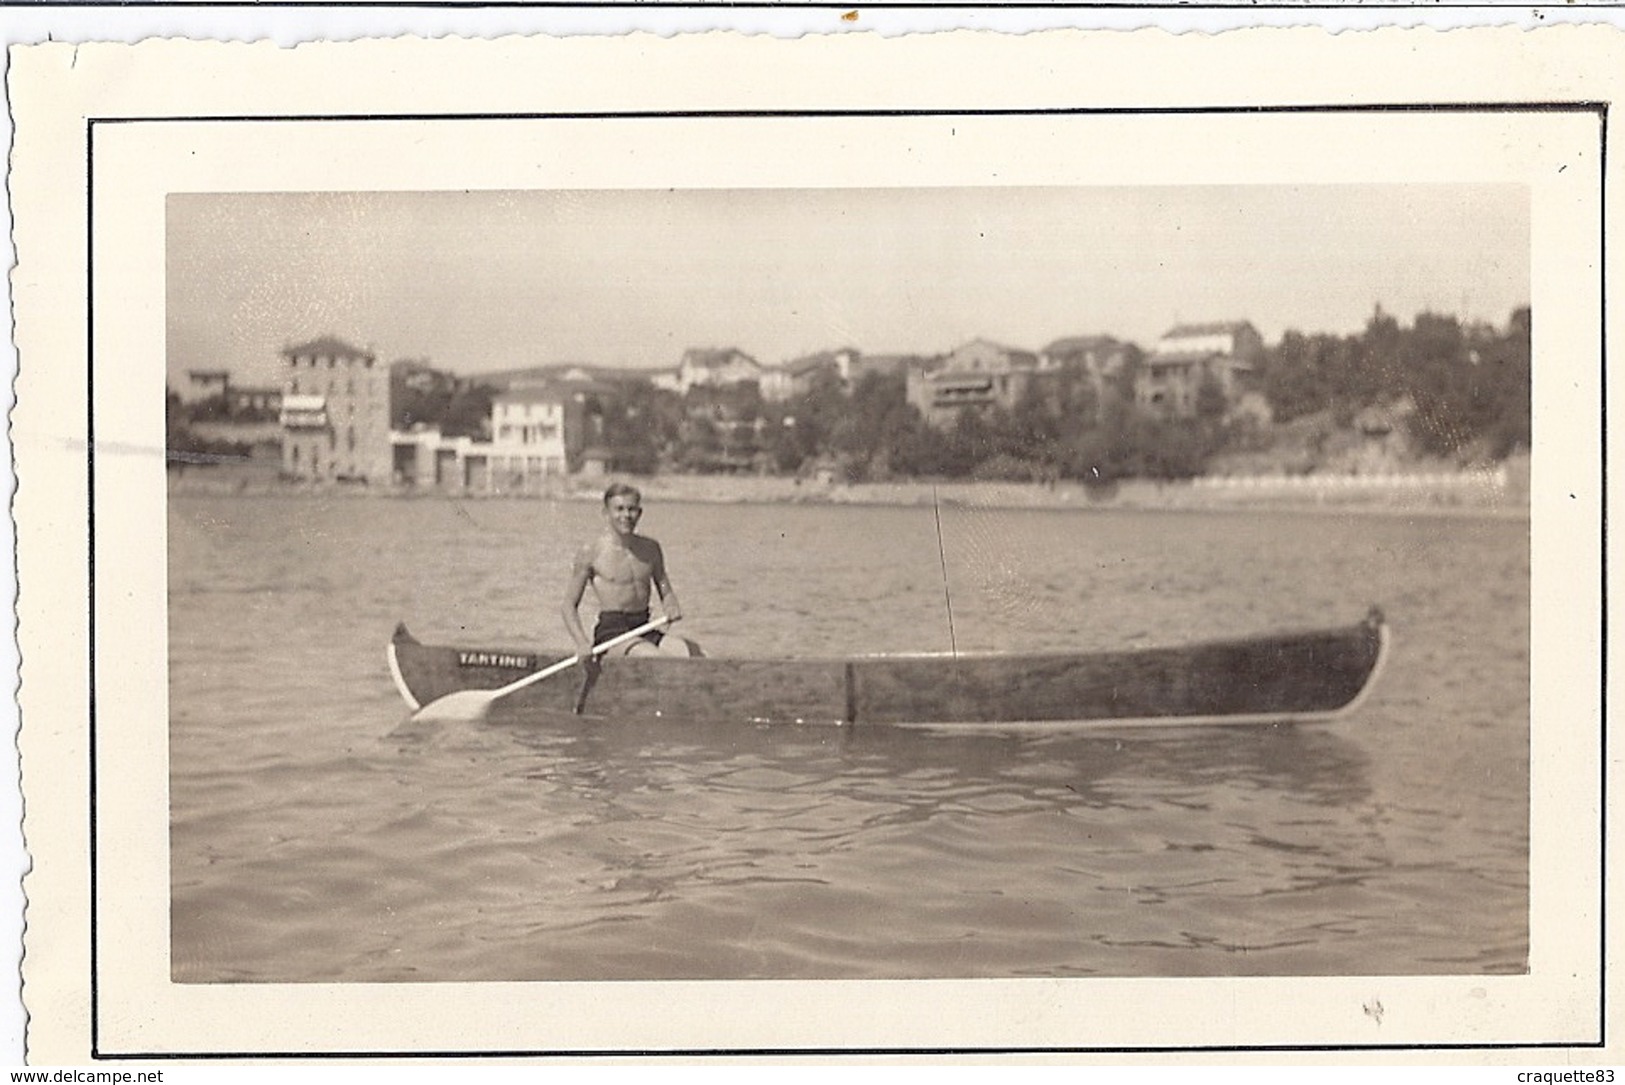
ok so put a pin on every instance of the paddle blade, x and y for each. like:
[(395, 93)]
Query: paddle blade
[(463, 706)]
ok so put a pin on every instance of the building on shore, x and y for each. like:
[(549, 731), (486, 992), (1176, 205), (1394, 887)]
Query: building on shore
[(979, 374), (201, 385), (1191, 361), (211, 394), (797, 376), (423, 458), (334, 414), (252, 403), (528, 439), (540, 430), (716, 366)]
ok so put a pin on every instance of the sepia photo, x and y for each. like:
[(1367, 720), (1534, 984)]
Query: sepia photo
[(943, 584)]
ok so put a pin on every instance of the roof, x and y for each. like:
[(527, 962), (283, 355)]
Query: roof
[(326, 345), (1000, 347), (1072, 344), (1220, 327), (531, 393), (209, 374), (810, 364), (709, 356), (292, 403), (558, 372)]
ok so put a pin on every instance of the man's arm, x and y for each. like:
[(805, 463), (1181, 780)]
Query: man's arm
[(662, 583), (574, 589)]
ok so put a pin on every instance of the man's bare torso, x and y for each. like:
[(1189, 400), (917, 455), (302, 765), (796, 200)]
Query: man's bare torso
[(621, 571)]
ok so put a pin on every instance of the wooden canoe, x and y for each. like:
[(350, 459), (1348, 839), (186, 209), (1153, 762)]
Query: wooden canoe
[(1283, 677)]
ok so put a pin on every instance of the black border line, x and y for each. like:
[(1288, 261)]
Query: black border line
[(90, 521), (1582, 105), (1602, 525), (1514, 11), (1598, 107)]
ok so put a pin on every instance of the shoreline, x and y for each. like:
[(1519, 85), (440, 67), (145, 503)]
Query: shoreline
[(1459, 494)]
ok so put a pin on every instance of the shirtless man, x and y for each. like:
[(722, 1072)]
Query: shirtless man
[(622, 566)]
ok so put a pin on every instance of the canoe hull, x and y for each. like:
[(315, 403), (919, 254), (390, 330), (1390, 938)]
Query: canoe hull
[(1298, 677)]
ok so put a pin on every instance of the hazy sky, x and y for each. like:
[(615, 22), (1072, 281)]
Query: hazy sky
[(488, 280)]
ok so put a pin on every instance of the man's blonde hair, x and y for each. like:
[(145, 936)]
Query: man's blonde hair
[(619, 489)]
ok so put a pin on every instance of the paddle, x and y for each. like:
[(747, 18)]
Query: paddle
[(470, 705)]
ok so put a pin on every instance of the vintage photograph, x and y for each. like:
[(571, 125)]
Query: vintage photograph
[(629, 548), (1075, 582)]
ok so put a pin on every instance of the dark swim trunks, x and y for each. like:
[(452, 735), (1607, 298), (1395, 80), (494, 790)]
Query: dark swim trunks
[(612, 623)]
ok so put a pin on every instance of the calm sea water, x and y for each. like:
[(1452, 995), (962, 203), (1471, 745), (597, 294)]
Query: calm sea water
[(318, 835)]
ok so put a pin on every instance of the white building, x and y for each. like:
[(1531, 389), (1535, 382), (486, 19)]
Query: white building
[(527, 436), (708, 366)]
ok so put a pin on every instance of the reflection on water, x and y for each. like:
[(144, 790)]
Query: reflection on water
[(319, 837), (1310, 764)]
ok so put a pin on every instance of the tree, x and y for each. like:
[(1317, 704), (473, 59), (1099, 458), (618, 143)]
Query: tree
[(877, 423), (641, 426), (1211, 401), (467, 411)]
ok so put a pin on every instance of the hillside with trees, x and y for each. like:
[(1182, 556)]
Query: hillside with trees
[(1437, 392), (1464, 390)]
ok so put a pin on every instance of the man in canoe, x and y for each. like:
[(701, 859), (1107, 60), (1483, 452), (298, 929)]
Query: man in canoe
[(624, 569)]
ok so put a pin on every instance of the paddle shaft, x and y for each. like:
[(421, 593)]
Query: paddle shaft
[(566, 664)]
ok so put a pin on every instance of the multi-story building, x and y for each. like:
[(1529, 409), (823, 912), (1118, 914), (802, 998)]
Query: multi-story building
[(528, 436), (978, 374), (1222, 356), (335, 413)]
